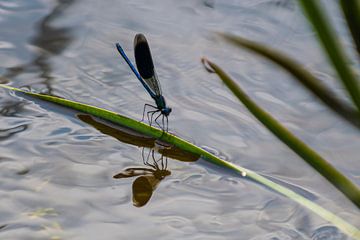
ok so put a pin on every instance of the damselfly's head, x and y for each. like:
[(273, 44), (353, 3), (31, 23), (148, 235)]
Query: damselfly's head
[(161, 105), (166, 111)]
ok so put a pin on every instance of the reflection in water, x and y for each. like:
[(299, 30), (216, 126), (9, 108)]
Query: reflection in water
[(155, 160), (209, 3), (4, 80), (329, 233), (284, 4), (129, 136), (51, 41), (7, 133), (149, 177), (9, 109)]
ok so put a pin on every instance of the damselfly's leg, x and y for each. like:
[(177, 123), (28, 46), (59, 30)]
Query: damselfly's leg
[(167, 123), (166, 126), (162, 128), (152, 115), (163, 124), (162, 121), (150, 118), (146, 159), (146, 105)]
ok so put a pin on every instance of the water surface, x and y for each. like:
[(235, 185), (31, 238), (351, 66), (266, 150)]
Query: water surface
[(56, 168)]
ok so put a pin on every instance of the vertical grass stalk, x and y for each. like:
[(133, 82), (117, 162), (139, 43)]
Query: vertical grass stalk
[(332, 47), (303, 76), (340, 181), (351, 10)]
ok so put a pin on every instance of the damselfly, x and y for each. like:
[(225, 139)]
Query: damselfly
[(148, 78)]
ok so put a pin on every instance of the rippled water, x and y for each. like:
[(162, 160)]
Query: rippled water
[(57, 167)]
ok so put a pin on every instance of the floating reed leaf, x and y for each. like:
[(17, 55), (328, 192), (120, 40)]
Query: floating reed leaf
[(133, 124), (332, 47), (349, 189), (351, 10), (116, 118), (303, 76)]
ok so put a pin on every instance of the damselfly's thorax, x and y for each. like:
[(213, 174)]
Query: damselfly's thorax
[(161, 104)]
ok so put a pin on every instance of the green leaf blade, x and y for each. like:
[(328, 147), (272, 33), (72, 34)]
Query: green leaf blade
[(351, 10), (303, 76), (335, 177), (332, 47)]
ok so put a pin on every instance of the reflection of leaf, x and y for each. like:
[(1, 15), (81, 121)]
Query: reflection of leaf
[(122, 134), (309, 155), (187, 146), (129, 136), (303, 76)]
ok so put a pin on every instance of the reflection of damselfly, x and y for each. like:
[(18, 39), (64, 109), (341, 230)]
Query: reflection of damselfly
[(149, 177), (148, 79), (155, 162)]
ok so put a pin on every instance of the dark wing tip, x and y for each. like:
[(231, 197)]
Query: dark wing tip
[(143, 57), (139, 38)]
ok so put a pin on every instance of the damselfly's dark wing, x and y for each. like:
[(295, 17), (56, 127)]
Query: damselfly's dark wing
[(145, 63)]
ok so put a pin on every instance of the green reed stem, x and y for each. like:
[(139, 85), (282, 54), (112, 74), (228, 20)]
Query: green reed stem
[(332, 47), (349, 189), (303, 76), (351, 10)]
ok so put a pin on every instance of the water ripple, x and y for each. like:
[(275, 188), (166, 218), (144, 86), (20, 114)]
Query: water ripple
[(50, 159), (7, 133), (328, 233)]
